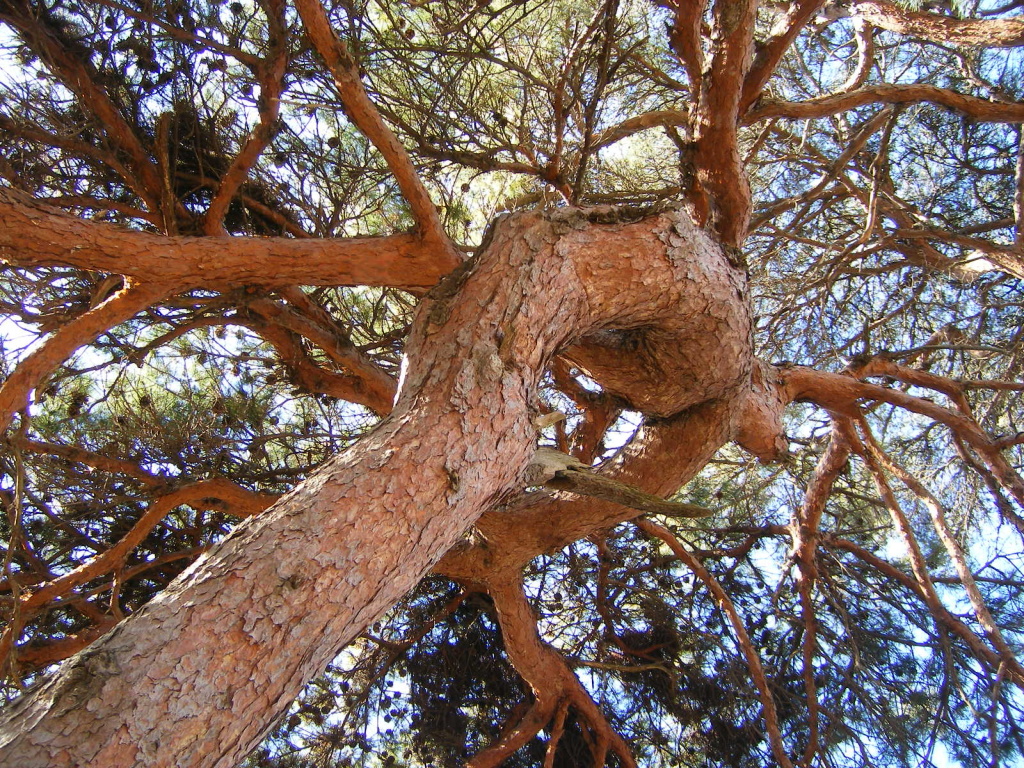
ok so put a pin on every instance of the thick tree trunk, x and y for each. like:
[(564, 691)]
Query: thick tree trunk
[(201, 673)]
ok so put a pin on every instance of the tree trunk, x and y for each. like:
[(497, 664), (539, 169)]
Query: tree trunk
[(200, 674)]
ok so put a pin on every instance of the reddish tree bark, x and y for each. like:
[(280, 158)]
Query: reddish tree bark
[(199, 675), (942, 29), (34, 234)]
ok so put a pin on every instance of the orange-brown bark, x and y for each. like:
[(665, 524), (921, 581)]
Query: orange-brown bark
[(631, 125), (654, 310), (661, 459), (37, 656), (34, 235), (359, 380), (771, 51), (365, 116), (182, 681), (823, 106), (686, 36), (716, 158), (865, 56), (554, 685), (841, 394), (805, 533), (937, 28)]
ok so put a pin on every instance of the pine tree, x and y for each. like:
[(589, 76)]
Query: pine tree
[(607, 382)]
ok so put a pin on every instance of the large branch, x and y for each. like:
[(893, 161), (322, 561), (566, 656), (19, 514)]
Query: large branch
[(198, 675), (824, 106), (547, 674), (686, 38), (676, 118), (717, 159), (32, 234), (937, 28), (375, 391), (360, 379), (771, 51), (365, 116), (659, 460)]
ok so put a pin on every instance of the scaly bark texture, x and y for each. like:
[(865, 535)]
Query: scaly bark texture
[(514, 534), (198, 676), (939, 28)]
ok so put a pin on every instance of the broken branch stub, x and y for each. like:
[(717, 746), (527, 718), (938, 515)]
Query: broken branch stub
[(561, 472)]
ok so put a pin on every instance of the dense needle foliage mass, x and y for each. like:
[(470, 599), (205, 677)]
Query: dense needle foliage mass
[(884, 161)]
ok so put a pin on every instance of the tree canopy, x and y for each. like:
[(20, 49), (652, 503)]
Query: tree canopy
[(235, 235)]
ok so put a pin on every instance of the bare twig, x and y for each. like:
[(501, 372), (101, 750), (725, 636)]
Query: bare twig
[(771, 717), (953, 549), (823, 106)]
